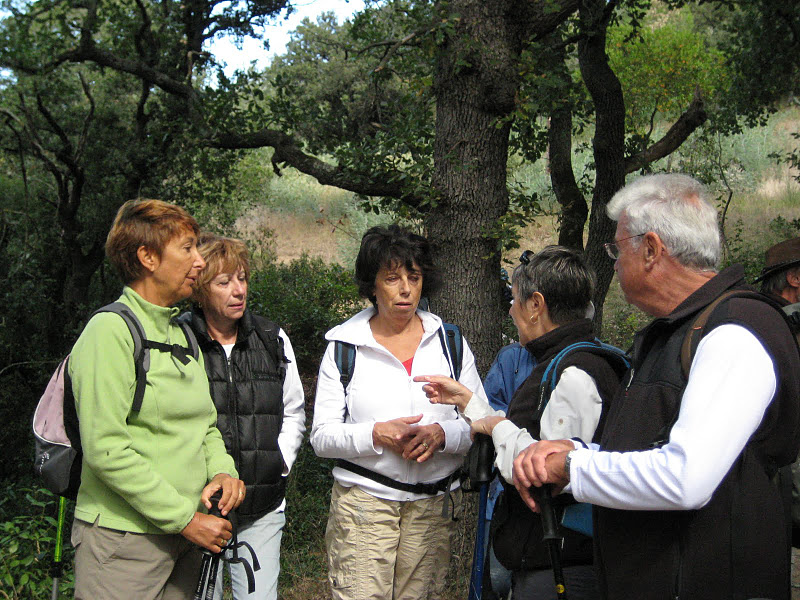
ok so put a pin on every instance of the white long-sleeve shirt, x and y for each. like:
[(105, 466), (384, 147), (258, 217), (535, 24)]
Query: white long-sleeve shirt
[(573, 411), (731, 383), (294, 413), (381, 390)]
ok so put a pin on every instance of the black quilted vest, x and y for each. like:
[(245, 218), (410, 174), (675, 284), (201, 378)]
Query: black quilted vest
[(517, 531), (736, 546), (248, 395)]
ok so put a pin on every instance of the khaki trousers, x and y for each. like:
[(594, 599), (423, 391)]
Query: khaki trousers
[(120, 565), (387, 549)]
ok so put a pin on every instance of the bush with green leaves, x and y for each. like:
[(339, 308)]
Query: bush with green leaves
[(306, 297), (27, 538)]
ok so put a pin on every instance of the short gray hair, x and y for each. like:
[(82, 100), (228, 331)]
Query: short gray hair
[(676, 207), (562, 276)]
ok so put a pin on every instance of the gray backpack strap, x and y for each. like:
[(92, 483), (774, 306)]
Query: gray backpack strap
[(344, 355), (191, 338), (452, 341), (141, 355)]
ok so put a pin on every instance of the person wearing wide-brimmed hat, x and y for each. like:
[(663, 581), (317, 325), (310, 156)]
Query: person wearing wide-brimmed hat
[(780, 276), (780, 279)]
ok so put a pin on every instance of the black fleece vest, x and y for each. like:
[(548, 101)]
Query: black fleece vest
[(248, 395), (736, 546), (517, 531)]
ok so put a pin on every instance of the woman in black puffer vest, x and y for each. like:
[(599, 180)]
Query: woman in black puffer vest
[(259, 400)]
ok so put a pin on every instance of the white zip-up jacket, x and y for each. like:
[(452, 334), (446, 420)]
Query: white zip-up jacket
[(381, 390)]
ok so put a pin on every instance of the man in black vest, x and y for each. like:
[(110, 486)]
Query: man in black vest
[(682, 476)]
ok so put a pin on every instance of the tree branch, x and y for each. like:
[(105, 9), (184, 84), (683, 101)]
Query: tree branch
[(90, 52), (694, 116), (288, 151)]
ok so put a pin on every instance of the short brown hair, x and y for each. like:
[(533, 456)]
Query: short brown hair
[(149, 223), (222, 255)]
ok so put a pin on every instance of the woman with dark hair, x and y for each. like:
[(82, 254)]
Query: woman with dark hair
[(389, 528), (147, 473), (552, 293)]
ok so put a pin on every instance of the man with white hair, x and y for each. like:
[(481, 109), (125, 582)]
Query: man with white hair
[(681, 479)]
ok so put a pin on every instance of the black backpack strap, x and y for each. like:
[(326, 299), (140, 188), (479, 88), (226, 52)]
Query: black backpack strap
[(269, 334), (344, 355), (452, 341), (430, 489), (792, 313), (141, 355)]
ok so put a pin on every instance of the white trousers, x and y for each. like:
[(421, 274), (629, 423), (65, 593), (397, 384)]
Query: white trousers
[(264, 535)]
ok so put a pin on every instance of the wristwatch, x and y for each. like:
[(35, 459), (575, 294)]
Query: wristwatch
[(568, 462)]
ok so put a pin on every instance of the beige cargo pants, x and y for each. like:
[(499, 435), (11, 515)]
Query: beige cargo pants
[(119, 565), (386, 549)]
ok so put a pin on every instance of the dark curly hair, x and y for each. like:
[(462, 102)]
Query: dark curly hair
[(391, 246)]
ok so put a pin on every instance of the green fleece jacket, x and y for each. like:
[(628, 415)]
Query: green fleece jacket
[(142, 472)]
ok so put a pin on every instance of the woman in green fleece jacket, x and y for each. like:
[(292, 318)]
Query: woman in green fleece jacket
[(146, 475)]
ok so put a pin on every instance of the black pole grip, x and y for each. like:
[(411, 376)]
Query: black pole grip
[(482, 460), (544, 498), (215, 498)]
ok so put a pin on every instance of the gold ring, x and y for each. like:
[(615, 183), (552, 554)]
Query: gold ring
[(241, 493), (425, 444)]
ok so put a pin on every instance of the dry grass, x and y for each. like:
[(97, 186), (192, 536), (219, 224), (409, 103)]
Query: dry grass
[(291, 234)]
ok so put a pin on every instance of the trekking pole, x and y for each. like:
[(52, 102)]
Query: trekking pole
[(544, 498), (57, 564), (480, 472), (210, 565), (476, 578)]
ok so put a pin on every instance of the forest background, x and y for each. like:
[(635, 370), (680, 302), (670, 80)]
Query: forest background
[(490, 126)]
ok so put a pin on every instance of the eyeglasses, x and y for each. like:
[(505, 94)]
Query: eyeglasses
[(526, 257), (612, 248)]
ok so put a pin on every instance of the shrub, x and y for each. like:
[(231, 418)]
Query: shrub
[(303, 559), (306, 297), (27, 537)]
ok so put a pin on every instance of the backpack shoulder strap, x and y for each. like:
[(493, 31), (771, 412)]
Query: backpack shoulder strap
[(792, 313), (268, 332), (616, 357), (344, 355), (191, 338), (141, 357), (452, 341), (695, 333)]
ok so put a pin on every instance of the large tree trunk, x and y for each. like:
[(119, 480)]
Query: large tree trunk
[(475, 83)]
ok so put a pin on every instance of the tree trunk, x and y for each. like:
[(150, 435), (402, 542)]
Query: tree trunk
[(608, 143), (476, 83), (573, 205)]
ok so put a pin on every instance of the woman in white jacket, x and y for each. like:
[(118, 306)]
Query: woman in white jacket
[(389, 529)]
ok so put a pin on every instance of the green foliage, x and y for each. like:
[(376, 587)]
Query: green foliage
[(744, 248), (760, 41), (661, 65), (307, 500), (306, 297), (347, 103), (27, 537)]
